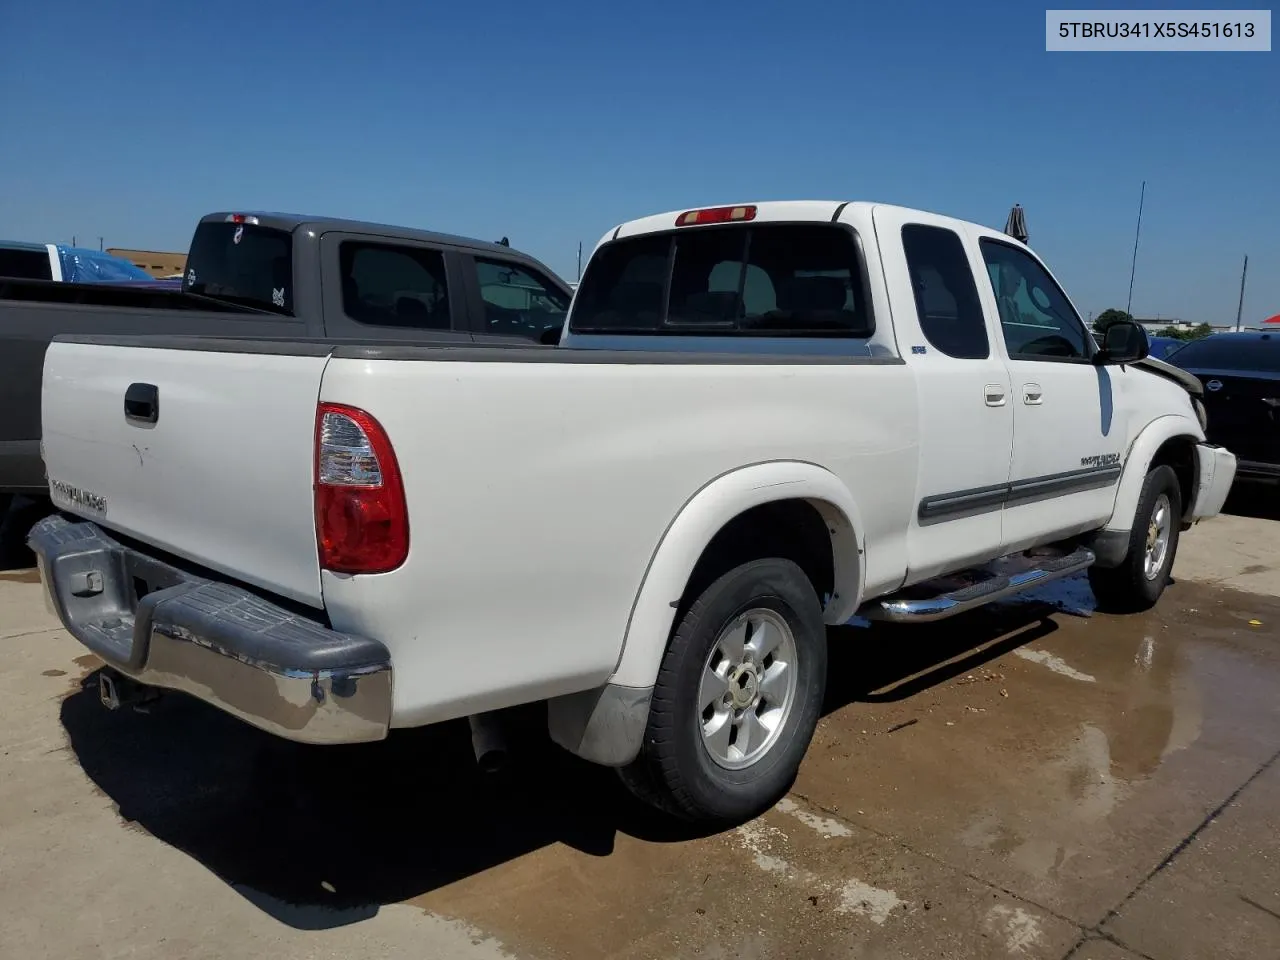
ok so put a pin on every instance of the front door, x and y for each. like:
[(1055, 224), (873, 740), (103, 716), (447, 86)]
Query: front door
[(1070, 423), (966, 410)]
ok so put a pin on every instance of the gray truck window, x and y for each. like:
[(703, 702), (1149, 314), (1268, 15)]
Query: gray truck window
[(242, 263), (25, 264), (394, 286), (1035, 315), (798, 280), (519, 301), (946, 295)]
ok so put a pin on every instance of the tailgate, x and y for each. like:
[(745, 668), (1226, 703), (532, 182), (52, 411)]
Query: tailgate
[(222, 477)]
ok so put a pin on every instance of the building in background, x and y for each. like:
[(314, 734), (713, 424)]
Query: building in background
[(155, 262), (1154, 327)]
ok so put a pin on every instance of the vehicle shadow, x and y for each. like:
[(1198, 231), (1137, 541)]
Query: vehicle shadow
[(886, 663), (319, 837), (15, 523)]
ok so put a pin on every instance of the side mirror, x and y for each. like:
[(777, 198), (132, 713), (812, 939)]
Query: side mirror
[(550, 337), (1124, 342)]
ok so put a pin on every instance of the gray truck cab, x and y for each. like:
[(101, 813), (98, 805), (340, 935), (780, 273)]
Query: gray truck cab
[(346, 278)]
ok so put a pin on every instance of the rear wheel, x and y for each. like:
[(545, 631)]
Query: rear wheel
[(1137, 583), (737, 697)]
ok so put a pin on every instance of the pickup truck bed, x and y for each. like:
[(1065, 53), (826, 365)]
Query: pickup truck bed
[(534, 506)]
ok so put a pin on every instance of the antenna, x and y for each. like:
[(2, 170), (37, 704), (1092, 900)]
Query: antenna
[(1240, 307), (1128, 307)]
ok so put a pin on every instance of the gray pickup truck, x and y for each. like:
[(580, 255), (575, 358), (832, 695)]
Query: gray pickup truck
[(278, 276)]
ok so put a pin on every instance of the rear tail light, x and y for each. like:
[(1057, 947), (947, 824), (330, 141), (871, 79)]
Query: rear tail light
[(362, 520), (716, 215)]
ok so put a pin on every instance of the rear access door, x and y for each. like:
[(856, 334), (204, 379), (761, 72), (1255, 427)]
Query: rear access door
[(202, 448), (376, 288), (966, 411)]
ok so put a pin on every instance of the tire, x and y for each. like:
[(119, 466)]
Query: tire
[(1131, 587), (677, 770)]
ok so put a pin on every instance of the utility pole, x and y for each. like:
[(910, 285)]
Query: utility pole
[(1240, 306), (1128, 308), (99, 244), (579, 279)]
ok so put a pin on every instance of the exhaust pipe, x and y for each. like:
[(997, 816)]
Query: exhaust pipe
[(489, 741)]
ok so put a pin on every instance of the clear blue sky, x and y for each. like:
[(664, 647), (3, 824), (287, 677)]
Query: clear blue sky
[(550, 123)]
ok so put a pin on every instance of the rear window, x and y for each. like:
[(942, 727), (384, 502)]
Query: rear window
[(1226, 352), (242, 263), (25, 264), (796, 280)]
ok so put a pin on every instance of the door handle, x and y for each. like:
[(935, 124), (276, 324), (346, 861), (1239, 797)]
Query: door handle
[(142, 403), (993, 394), (1031, 393)]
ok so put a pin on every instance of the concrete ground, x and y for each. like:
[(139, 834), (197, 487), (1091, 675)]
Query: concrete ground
[(1033, 780)]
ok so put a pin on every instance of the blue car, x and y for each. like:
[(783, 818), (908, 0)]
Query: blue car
[(1161, 347), (64, 264)]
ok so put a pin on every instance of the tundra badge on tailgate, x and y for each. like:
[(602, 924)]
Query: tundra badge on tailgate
[(77, 497)]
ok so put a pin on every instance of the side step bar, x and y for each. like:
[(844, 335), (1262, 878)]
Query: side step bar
[(988, 591)]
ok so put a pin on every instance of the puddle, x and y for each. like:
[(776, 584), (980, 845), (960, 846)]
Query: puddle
[(1056, 664)]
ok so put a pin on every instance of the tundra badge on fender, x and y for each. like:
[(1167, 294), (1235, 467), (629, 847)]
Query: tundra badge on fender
[(1100, 460)]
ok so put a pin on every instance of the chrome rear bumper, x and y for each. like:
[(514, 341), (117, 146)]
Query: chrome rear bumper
[(276, 669)]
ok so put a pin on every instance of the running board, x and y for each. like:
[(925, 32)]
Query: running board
[(988, 591)]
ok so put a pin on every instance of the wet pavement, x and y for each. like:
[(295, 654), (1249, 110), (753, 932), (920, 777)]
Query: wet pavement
[(1032, 780)]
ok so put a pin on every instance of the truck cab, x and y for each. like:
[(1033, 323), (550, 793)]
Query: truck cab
[(359, 280)]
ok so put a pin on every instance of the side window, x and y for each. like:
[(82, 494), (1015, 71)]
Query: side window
[(517, 301), (394, 286), (1038, 320), (946, 295), (25, 264)]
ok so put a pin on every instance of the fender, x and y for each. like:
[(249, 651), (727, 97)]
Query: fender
[(701, 518), (1138, 462)]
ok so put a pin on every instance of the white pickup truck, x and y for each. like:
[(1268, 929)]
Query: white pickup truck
[(759, 420)]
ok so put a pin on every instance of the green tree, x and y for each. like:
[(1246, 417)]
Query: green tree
[(1195, 333), (1107, 317)]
